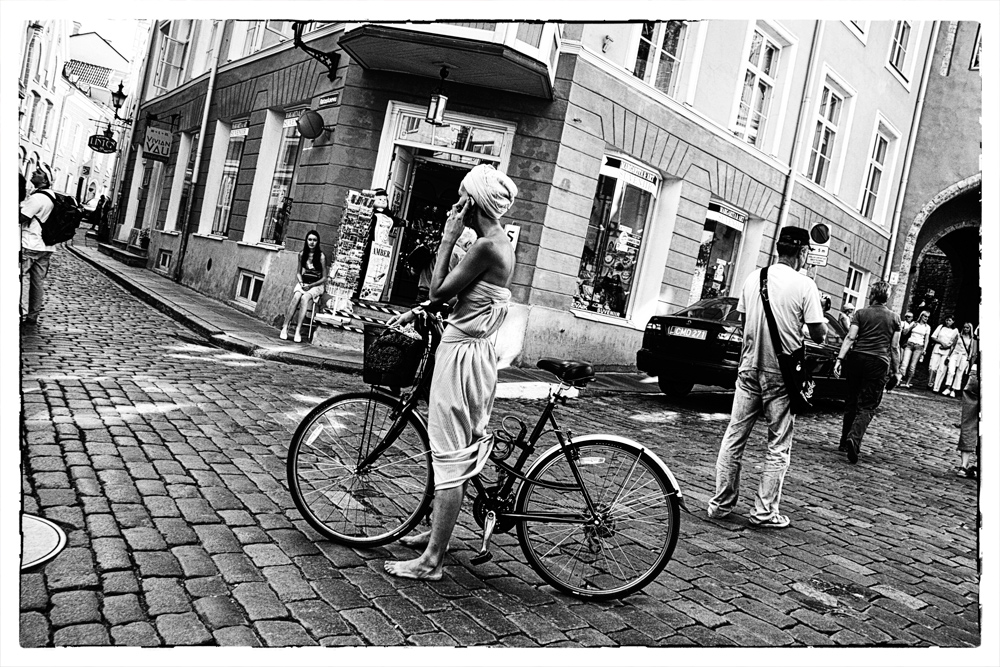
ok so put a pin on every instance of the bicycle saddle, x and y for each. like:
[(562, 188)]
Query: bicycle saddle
[(576, 373)]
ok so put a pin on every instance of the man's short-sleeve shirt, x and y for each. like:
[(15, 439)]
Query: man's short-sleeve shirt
[(794, 300), (876, 326), (38, 207)]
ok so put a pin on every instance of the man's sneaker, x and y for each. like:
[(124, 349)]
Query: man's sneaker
[(777, 521)]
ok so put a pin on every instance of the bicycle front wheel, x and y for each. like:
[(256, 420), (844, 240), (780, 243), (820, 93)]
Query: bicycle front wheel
[(616, 551), (345, 498)]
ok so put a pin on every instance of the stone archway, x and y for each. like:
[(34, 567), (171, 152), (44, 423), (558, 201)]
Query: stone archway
[(913, 234)]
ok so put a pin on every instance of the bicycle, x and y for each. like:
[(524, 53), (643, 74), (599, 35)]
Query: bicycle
[(597, 516)]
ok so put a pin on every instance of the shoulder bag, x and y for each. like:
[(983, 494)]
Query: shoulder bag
[(793, 367)]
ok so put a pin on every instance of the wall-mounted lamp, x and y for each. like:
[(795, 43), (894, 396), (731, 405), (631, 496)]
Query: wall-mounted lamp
[(310, 124), (118, 100), (439, 101), (605, 43)]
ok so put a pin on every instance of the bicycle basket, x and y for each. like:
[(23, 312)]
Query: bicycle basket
[(392, 356)]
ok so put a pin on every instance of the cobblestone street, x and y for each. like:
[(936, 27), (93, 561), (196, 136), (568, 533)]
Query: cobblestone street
[(163, 459)]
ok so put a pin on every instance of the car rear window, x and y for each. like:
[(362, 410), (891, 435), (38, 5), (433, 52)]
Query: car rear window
[(713, 309)]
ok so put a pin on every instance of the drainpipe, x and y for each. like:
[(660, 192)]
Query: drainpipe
[(186, 213), (786, 196), (908, 159)]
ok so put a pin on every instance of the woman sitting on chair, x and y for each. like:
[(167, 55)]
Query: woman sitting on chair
[(310, 285)]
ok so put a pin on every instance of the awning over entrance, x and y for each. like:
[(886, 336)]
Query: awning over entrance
[(474, 62)]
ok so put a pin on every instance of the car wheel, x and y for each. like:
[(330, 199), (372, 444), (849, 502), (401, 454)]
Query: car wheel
[(674, 388)]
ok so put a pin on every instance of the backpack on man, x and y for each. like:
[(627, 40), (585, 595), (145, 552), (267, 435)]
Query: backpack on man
[(64, 220)]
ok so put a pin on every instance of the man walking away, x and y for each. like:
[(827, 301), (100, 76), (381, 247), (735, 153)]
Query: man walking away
[(869, 353), (35, 210), (760, 388)]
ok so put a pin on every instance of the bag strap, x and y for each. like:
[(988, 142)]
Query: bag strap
[(772, 325)]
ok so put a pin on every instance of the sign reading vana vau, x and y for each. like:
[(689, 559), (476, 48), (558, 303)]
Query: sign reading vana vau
[(156, 143)]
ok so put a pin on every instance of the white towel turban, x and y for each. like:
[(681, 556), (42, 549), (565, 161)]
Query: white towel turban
[(492, 191)]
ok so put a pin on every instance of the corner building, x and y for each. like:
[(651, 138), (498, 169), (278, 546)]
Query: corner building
[(655, 161)]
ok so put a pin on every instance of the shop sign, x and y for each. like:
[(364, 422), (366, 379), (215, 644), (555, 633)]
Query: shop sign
[(291, 117), (894, 278), (100, 143), (240, 129), (727, 215), (379, 259), (156, 143)]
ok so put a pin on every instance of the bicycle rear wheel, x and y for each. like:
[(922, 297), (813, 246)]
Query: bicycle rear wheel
[(348, 502), (620, 550)]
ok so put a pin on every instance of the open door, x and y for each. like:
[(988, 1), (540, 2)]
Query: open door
[(400, 179)]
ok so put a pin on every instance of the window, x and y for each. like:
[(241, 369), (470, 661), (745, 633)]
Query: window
[(974, 64), (76, 141), (859, 29), (163, 260), (36, 100), (873, 179), (618, 220), (758, 87), (174, 37), (248, 288), (262, 34), (230, 170), (856, 287), (900, 43), (821, 154), (30, 58), (657, 61), (279, 201), (715, 267), (48, 117), (182, 210), (61, 133)]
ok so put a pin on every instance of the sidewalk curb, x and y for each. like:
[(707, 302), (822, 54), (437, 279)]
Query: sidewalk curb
[(234, 343)]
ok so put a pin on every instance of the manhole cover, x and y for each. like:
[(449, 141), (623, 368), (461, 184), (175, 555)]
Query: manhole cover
[(40, 540)]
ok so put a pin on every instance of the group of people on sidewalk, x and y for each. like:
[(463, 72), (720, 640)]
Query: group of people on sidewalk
[(868, 359)]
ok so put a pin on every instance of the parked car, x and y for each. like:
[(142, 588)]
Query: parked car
[(701, 345)]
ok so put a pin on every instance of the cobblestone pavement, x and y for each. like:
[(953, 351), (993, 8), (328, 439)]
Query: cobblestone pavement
[(164, 460)]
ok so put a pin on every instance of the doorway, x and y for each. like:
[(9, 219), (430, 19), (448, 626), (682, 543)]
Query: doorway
[(433, 190)]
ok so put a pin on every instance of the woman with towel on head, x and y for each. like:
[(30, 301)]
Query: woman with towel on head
[(465, 364)]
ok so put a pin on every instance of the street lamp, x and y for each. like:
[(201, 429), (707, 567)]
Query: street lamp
[(118, 100)]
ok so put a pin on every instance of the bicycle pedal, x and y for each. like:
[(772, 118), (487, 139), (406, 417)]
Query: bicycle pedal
[(481, 557)]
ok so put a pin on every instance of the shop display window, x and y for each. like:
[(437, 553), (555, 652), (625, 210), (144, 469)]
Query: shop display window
[(618, 222), (716, 263), (279, 202), (230, 171)]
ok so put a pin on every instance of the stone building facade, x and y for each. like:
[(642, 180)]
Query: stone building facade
[(655, 162)]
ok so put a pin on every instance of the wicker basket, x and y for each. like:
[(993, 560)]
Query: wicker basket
[(392, 357)]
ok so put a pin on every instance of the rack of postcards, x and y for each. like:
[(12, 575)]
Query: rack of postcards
[(346, 269)]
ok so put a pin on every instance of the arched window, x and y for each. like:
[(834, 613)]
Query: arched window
[(29, 58)]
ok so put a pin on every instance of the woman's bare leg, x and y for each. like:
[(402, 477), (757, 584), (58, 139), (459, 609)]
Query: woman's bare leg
[(429, 564)]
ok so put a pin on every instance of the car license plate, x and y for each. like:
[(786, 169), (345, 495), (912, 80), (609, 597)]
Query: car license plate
[(687, 332)]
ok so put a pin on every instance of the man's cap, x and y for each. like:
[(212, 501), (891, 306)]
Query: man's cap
[(794, 236)]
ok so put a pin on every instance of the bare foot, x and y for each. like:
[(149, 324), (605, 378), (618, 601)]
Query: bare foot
[(413, 569), (421, 540)]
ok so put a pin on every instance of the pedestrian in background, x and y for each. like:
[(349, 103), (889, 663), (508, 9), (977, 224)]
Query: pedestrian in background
[(944, 338), (968, 436), (845, 315), (958, 361), (760, 387), (309, 286), (35, 255), (916, 347), (906, 327), (869, 358)]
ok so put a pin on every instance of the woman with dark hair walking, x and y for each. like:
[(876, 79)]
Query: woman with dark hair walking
[(310, 285), (869, 356)]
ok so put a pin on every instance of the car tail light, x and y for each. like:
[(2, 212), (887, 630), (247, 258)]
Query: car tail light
[(654, 326), (732, 334)]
